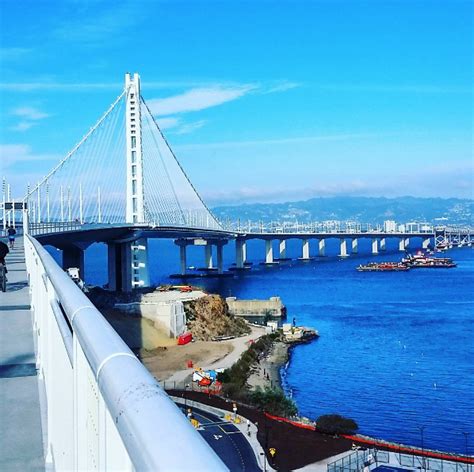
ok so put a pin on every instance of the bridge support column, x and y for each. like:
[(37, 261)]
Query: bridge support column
[(322, 247), (119, 266), (182, 257), (268, 251), (220, 258), (305, 250), (426, 243), (407, 242), (401, 245), (239, 253), (383, 244), (355, 246), (282, 249), (73, 256), (208, 263), (375, 246), (244, 251), (343, 252), (139, 256)]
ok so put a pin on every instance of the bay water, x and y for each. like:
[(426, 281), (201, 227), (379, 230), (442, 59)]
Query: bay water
[(396, 349)]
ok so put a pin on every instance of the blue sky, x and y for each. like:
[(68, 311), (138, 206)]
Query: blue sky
[(261, 100)]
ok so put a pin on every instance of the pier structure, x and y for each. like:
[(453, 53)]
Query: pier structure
[(375, 246), (208, 245), (282, 249), (322, 247), (343, 246), (354, 246)]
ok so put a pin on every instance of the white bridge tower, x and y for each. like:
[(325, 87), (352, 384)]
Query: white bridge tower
[(135, 205)]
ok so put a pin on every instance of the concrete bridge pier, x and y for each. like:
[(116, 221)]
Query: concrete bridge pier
[(305, 250), (322, 247), (240, 252), (407, 242), (383, 244), (343, 252), (119, 266), (268, 251), (73, 256), (220, 256), (182, 256), (355, 246), (401, 245), (282, 249), (244, 251), (426, 243), (375, 246), (208, 262)]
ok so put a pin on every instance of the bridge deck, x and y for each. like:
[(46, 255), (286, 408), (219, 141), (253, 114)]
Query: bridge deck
[(20, 424)]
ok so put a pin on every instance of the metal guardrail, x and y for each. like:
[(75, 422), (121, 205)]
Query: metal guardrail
[(369, 459), (105, 411)]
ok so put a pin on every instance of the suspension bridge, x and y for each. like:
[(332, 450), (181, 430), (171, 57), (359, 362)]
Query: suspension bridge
[(122, 184)]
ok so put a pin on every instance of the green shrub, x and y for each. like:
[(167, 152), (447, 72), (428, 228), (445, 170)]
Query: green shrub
[(272, 400), (336, 424)]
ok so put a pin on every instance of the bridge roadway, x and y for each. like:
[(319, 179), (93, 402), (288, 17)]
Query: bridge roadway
[(127, 244), (63, 234)]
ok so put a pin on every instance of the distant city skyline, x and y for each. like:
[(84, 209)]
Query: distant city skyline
[(261, 101)]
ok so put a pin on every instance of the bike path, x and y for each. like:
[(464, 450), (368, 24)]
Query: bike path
[(21, 439)]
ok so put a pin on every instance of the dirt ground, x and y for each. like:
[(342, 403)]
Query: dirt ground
[(164, 362), (168, 361)]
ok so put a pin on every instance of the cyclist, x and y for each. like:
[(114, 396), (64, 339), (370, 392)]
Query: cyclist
[(3, 267)]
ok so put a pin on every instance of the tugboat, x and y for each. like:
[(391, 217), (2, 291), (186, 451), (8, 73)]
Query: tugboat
[(383, 267), (421, 260)]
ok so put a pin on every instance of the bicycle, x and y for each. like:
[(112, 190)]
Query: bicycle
[(3, 278)]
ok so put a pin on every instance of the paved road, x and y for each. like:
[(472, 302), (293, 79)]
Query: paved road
[(227, 441)]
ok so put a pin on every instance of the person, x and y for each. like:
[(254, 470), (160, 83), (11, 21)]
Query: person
[(11, 231), (3, 267), (3, 252)]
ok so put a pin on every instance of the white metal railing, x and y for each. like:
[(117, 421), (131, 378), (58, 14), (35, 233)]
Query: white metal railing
[(336, 227), (105, 411)]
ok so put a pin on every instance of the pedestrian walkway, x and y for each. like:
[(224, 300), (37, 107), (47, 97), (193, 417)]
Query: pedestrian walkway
[(21, 439)]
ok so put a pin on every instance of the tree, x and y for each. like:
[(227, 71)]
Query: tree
[(336, 424)]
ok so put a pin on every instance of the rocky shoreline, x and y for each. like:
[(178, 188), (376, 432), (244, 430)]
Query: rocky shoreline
[(268, 372)]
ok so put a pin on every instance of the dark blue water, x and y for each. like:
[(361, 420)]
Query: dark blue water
[(396, 350)]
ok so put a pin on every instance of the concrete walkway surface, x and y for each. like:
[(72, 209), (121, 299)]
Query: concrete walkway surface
[(21, 438)]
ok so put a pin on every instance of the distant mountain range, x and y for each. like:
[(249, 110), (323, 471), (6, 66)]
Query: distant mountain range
[(362, 209)]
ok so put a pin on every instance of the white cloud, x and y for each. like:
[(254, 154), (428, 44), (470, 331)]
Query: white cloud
[(11, 154), (190, 127), (168, 122), (281, 87), (29, 113), (22, 126), (198, 99)]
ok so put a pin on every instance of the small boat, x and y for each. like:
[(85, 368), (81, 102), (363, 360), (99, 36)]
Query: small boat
[(383, 267), (420, 260)]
